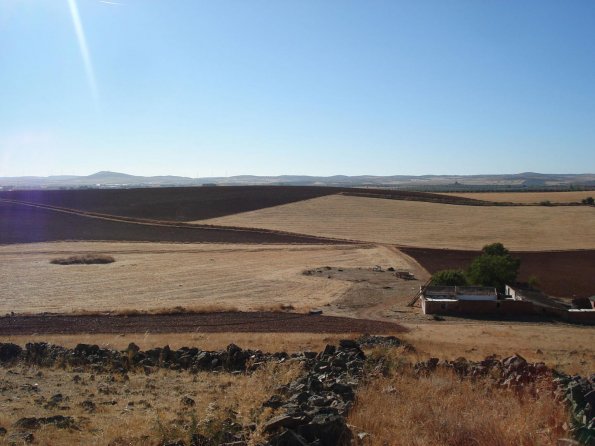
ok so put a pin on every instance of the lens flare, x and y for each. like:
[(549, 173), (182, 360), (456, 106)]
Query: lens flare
[(80, 35)]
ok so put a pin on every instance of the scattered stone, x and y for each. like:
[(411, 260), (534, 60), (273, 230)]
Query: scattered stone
[(59, 421), (21, 437), (89, 406), (9, 352), (187, 401)]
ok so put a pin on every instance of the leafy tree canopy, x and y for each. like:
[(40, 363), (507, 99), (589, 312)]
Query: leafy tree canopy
[(494, 267)]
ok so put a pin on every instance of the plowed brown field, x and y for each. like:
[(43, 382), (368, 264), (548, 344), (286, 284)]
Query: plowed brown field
[(21, 223), (562, 274), (258, 322), (199, 203)]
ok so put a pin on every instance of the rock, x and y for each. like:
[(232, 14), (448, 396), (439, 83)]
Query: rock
[(288, 438), (21, 437), (274, 402), (330, 430), (9, 352), (187, 401), (132, 349), (287, 421), (59, 421), (89, 406), (28, 423), (348, 343)]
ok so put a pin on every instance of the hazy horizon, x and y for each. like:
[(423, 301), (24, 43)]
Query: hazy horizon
[(216, 89)]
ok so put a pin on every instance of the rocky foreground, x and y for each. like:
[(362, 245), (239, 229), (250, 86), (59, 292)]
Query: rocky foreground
[(310, 409)]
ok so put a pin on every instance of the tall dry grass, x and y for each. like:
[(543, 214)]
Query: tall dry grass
[(403, 409)]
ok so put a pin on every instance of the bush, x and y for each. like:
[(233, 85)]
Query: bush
[(589, 200), (86, 259), (449, 277), (495, 267)]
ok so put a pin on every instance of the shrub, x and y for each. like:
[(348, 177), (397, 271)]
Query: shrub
[(449, 277), (86, 259), (589, 200), (533, 281)]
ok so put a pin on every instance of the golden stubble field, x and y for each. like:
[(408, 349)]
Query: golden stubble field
[(149, 276), (429, 225), (526, 197)]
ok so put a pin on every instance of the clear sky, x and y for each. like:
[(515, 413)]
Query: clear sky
[(319, 87)]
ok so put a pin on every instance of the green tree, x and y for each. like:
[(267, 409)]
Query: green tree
[(494, 267), (495, 249), (449, 277)]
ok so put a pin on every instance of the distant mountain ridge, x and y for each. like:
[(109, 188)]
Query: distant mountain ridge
[(107, 179)]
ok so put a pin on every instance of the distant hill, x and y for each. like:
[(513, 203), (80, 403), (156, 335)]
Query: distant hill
[(520, 181)]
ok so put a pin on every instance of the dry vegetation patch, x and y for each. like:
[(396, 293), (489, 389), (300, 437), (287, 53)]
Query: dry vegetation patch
[(135, 409), (85, 259), (443, 409), (431, 225)]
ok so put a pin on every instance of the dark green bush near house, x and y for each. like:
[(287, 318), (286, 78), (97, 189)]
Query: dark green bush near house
[(449, 277)]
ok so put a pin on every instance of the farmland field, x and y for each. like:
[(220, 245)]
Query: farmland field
[(431, 225), (149, 276), (199, 203), (559, 273), (526, 197), (21, 223)]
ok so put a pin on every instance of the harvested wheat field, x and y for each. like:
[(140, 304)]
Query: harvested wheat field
[(430, 225), (526, 197), (150, 276)]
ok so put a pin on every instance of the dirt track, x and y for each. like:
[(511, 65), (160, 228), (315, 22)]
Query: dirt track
[(258, 322)]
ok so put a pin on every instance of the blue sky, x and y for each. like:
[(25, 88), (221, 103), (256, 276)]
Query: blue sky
[(209, 88)]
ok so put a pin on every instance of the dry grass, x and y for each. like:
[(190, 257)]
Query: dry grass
[(443, 410), (565, 347), (154, 276), (430, 225), (84, 259), (287, 342), (527, 197), (140, 410)]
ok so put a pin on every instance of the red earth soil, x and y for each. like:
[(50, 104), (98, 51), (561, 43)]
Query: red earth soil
[(26, 224), (261, 322), (565, 274), (200, 203)]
